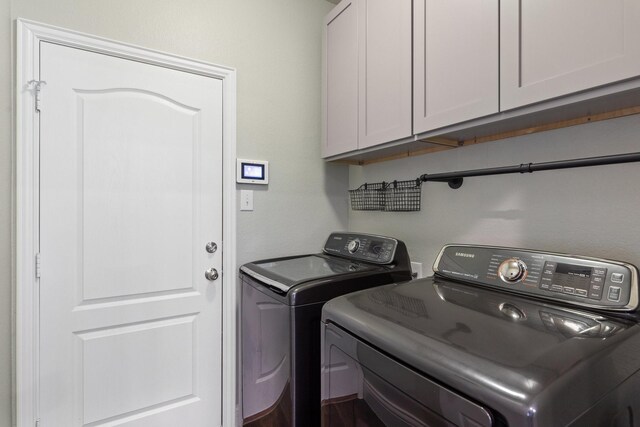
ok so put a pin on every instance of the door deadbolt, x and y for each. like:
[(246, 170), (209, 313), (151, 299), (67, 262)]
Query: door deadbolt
[(211, 274), (211, 247)]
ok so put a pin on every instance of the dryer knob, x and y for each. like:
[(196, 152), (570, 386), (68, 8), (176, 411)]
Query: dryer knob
[(512, 270), (353, 246)]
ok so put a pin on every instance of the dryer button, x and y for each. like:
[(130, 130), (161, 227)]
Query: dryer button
[(614, 293), (617, 277)]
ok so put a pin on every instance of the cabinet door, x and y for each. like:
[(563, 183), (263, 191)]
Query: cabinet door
[(455, 61), (341, 79), (385, 71), (551, 48)]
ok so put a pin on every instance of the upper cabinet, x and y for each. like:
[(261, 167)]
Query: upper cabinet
[(551, 48), (417, 76), (455, 61), (341, 79), (367, 88), (384, 45)]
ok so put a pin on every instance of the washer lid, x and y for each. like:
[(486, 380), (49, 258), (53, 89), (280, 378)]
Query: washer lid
[(508, 352), (284, 273)]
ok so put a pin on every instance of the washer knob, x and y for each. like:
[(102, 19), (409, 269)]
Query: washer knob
[(512, 270), (353, 246)]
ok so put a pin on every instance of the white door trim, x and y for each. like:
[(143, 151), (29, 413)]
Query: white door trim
[(29, 36)]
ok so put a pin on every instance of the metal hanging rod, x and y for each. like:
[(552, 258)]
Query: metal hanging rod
[(455, 178)]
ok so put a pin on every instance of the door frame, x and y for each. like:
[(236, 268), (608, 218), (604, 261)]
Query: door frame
[(26, 234)]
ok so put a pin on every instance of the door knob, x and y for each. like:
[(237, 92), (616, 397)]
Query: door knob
[(211, 274)]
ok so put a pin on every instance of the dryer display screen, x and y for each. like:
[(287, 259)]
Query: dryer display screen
[(572, 276), (574, 270)]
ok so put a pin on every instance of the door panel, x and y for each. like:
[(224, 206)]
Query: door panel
[(455, 73), (550, 48), (341, 86), (140, 370), (548, 30), (131, 191), (120, 221), (384, 37)]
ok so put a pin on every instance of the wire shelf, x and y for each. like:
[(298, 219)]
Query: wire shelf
[(395, 196)]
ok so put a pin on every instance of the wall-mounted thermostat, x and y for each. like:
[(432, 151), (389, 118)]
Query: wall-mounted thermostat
[(252, 171)]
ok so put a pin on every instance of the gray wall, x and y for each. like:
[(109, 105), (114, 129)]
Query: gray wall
[(275, 46), (590, 211)]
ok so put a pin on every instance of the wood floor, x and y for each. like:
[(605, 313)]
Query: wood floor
[(279, 415), (352, 412)]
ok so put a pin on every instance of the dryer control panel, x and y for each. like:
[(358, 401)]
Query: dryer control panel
[(363, 247), (583, 281)]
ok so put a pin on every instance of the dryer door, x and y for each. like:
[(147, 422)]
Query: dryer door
[(361, 386), (266, 362)]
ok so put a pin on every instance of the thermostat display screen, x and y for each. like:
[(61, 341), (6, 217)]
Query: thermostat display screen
[(253, 171)]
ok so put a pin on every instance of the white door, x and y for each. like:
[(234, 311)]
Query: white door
[(130, 194)]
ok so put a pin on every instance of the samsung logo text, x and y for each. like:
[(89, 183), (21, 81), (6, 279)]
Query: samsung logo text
[(464, 255)]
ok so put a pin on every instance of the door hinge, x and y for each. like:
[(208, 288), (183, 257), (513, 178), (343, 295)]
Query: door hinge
[(38, 267), (36, 86)]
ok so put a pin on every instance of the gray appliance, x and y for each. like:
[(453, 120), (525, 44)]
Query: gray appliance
[(282, 300), (497, 337)]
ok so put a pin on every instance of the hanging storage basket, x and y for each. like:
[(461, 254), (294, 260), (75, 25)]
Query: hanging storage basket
[(395, 196), (368, 197), (403, 196)]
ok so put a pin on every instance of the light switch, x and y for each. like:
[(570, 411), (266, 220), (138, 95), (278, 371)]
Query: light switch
[(246, 200)]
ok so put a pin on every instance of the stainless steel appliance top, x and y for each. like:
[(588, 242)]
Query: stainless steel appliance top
[(354, 255)]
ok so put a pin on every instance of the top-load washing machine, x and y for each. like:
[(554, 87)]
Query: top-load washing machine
[(282, 300), (497, 337)]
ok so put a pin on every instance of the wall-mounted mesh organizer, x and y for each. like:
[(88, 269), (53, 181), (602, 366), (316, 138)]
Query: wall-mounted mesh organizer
[(395, 196)]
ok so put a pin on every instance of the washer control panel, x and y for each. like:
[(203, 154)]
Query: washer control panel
[(362, 247), (583, 281)]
